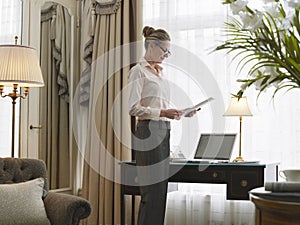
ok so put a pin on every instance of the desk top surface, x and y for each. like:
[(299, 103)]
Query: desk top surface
[(207, 164)]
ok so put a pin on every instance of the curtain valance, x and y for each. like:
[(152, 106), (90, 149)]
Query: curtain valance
[(106, 7), (48, 12)]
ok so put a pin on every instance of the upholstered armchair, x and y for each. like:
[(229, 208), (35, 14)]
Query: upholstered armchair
[(60, 209)]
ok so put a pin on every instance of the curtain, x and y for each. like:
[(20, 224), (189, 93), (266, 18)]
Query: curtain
[(109, 27), (54, 100), (272, 134), (200, 208)]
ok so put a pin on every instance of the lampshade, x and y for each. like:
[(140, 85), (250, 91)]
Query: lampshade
[(20, 65), (238, 107)]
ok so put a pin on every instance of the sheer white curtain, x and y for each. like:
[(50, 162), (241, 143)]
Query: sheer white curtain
[(10, 26), (271, 135)]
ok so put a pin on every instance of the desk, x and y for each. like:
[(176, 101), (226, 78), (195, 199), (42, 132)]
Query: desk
[(239, 178)]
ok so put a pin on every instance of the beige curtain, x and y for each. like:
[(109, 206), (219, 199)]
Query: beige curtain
[(110, 24), (54, 98)]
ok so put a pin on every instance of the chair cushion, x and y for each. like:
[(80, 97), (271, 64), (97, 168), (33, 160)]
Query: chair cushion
[(22, 203)]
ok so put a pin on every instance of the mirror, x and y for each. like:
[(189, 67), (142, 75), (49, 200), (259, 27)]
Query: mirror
[(54, 101)]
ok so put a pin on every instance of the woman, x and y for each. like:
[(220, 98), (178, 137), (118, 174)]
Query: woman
[(149, 103)]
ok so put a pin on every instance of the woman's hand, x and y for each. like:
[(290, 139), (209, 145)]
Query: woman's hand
[(192, 113), (171, 113)]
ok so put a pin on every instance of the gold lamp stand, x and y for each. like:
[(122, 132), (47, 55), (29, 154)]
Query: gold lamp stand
[(14, 95), (240, 158)]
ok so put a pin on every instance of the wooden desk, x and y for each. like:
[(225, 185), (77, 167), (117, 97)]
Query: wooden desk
[(239, 178)]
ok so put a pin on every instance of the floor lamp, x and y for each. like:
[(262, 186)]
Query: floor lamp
[(19, 68), (238, 107)]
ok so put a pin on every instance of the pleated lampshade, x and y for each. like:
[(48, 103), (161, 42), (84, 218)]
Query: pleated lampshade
[(238, 107), (20, 65)]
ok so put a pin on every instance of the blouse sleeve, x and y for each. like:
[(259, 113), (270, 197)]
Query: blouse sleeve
[(136, 82)]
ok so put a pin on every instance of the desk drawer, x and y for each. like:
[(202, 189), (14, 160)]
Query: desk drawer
[(131, 190), (193, 175), (242, 182), (213, 175)]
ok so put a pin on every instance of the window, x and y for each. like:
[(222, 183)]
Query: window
[(10, 26), (195, 27), (272, 134)]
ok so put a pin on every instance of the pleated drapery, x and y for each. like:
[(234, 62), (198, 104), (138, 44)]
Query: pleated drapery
[(54, 98), (104, 77)]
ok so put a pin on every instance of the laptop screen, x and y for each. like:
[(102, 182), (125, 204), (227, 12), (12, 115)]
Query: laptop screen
[(215, 146)]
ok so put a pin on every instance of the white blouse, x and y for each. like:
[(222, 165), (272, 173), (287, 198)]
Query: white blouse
[(149, 92)]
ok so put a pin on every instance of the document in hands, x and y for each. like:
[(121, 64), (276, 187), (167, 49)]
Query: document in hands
[(186, 111)]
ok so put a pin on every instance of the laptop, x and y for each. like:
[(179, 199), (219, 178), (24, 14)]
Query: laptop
[(212, 148)]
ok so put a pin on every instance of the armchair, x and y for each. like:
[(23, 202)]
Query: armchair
[(60, 208)]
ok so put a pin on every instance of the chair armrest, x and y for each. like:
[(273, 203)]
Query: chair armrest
[(66, 209)]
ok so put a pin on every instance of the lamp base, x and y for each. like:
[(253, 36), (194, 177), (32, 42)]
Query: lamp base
[(238, 159)]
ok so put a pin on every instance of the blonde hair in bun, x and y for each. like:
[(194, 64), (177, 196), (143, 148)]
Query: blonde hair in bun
[(152, 34)]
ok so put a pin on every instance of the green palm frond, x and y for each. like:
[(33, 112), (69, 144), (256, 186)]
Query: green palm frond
[(269, 45)]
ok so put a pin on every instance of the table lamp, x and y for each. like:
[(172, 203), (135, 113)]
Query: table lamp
[(19, 67), (238, 107)]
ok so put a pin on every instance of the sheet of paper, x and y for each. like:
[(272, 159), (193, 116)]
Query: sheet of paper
[(186, 111)]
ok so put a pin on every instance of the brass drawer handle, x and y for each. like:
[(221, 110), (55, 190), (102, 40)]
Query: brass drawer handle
[(136, 180), (215, 175), (244, 183)]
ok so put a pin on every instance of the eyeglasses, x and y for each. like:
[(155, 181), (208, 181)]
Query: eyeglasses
[(165, 51)]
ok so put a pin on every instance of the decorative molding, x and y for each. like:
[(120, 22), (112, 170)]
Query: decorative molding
[(106, 7)]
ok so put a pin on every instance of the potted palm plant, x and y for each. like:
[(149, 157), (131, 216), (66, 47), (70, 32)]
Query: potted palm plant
[(265, 39)]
